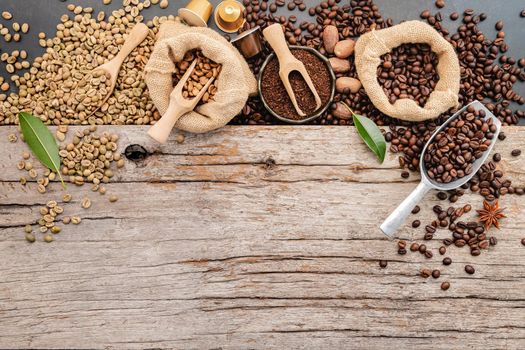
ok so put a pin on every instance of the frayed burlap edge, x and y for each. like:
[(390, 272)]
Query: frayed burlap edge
[(234, 84), (371, 46)]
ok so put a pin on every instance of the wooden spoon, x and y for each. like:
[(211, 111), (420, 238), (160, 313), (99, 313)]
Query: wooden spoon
[(288, 63), (137, 35), (177, 108)]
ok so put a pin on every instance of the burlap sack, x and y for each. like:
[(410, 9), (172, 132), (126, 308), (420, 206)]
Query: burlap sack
[(234, 84), (371, 46)]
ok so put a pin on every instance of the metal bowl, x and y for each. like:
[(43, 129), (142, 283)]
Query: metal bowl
[(317, 113)]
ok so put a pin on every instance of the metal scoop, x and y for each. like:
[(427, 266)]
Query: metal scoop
[(398, 216), (288, 63)]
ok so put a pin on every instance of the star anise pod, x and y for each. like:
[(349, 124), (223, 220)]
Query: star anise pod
[(491, 214)]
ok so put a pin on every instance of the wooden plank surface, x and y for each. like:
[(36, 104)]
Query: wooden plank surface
[(252, 237)]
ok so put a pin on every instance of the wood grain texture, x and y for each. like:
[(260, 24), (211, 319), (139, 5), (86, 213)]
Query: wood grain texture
[(252, 237)]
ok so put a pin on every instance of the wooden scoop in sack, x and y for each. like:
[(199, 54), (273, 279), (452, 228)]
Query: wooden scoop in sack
[(177, 108), (288, 63)]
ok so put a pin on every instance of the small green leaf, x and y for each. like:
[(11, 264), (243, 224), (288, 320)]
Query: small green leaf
[(370, 133), (41, 142)]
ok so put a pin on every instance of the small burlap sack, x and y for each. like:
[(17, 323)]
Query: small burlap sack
[(234, 84), (371, 46)]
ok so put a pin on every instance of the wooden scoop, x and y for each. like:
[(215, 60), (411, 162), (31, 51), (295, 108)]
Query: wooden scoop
[(288, 63), (136, 36), (177, 108)]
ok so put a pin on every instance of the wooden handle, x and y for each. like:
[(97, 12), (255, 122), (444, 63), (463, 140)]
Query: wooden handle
[(162, 128), (136, 36), (274, 35)]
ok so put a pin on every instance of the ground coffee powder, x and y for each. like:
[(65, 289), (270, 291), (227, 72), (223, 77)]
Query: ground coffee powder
[(276, 96)]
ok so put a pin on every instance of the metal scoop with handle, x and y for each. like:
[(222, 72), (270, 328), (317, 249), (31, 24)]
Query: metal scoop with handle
[(398, 216), (288, 63)]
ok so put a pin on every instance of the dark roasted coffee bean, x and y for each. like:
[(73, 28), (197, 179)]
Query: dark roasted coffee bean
[(454, 16), (469, 269), (405, 174), (416, 223), (442, 195), (515, 152), (523, 241), (383, 263), (428, 254), (401, 251), (499, 25), (422, 248), (475, 252), (440, 3), (442, 250), (445, 285), (447, 261), (496, 157), (414, 247), (436, 273), (426, 273), (430, 229), (416, 209)]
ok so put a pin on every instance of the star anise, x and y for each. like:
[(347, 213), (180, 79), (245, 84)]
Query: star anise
[(491, 214)]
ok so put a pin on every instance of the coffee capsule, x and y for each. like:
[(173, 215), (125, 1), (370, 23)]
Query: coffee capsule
[(249, 42), (196, 13), (229, 16)]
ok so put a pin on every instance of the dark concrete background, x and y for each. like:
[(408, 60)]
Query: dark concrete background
[(43, 15)]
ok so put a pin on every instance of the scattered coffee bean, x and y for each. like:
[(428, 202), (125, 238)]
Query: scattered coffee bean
[(442, 250), (515, 152), (469, 269), (447, 261), (416, 223), (445, 285), (496, 157), (426, 273), (416, 209), (436, 273), (523, 241), (414, 247), (383, 263), (440, 3)]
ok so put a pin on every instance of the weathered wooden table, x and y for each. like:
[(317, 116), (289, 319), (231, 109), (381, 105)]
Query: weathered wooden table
[(252, 237)]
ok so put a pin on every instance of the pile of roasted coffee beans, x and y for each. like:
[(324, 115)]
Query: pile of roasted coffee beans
[(487, 73), (409, 71), (453, 151)]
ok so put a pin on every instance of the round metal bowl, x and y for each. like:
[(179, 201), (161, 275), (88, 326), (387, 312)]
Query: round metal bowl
[(317, 113)]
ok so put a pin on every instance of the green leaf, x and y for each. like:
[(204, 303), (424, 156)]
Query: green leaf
[(371, 134), (41, 142)]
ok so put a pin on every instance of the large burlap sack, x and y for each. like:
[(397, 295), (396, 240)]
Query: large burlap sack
[(234, 84), (371, 46)]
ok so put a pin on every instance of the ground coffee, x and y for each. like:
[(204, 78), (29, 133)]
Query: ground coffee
[(275, 93)]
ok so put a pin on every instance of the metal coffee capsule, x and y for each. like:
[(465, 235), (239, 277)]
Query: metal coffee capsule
[(229, 16), (196, 13), (249, 42)]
